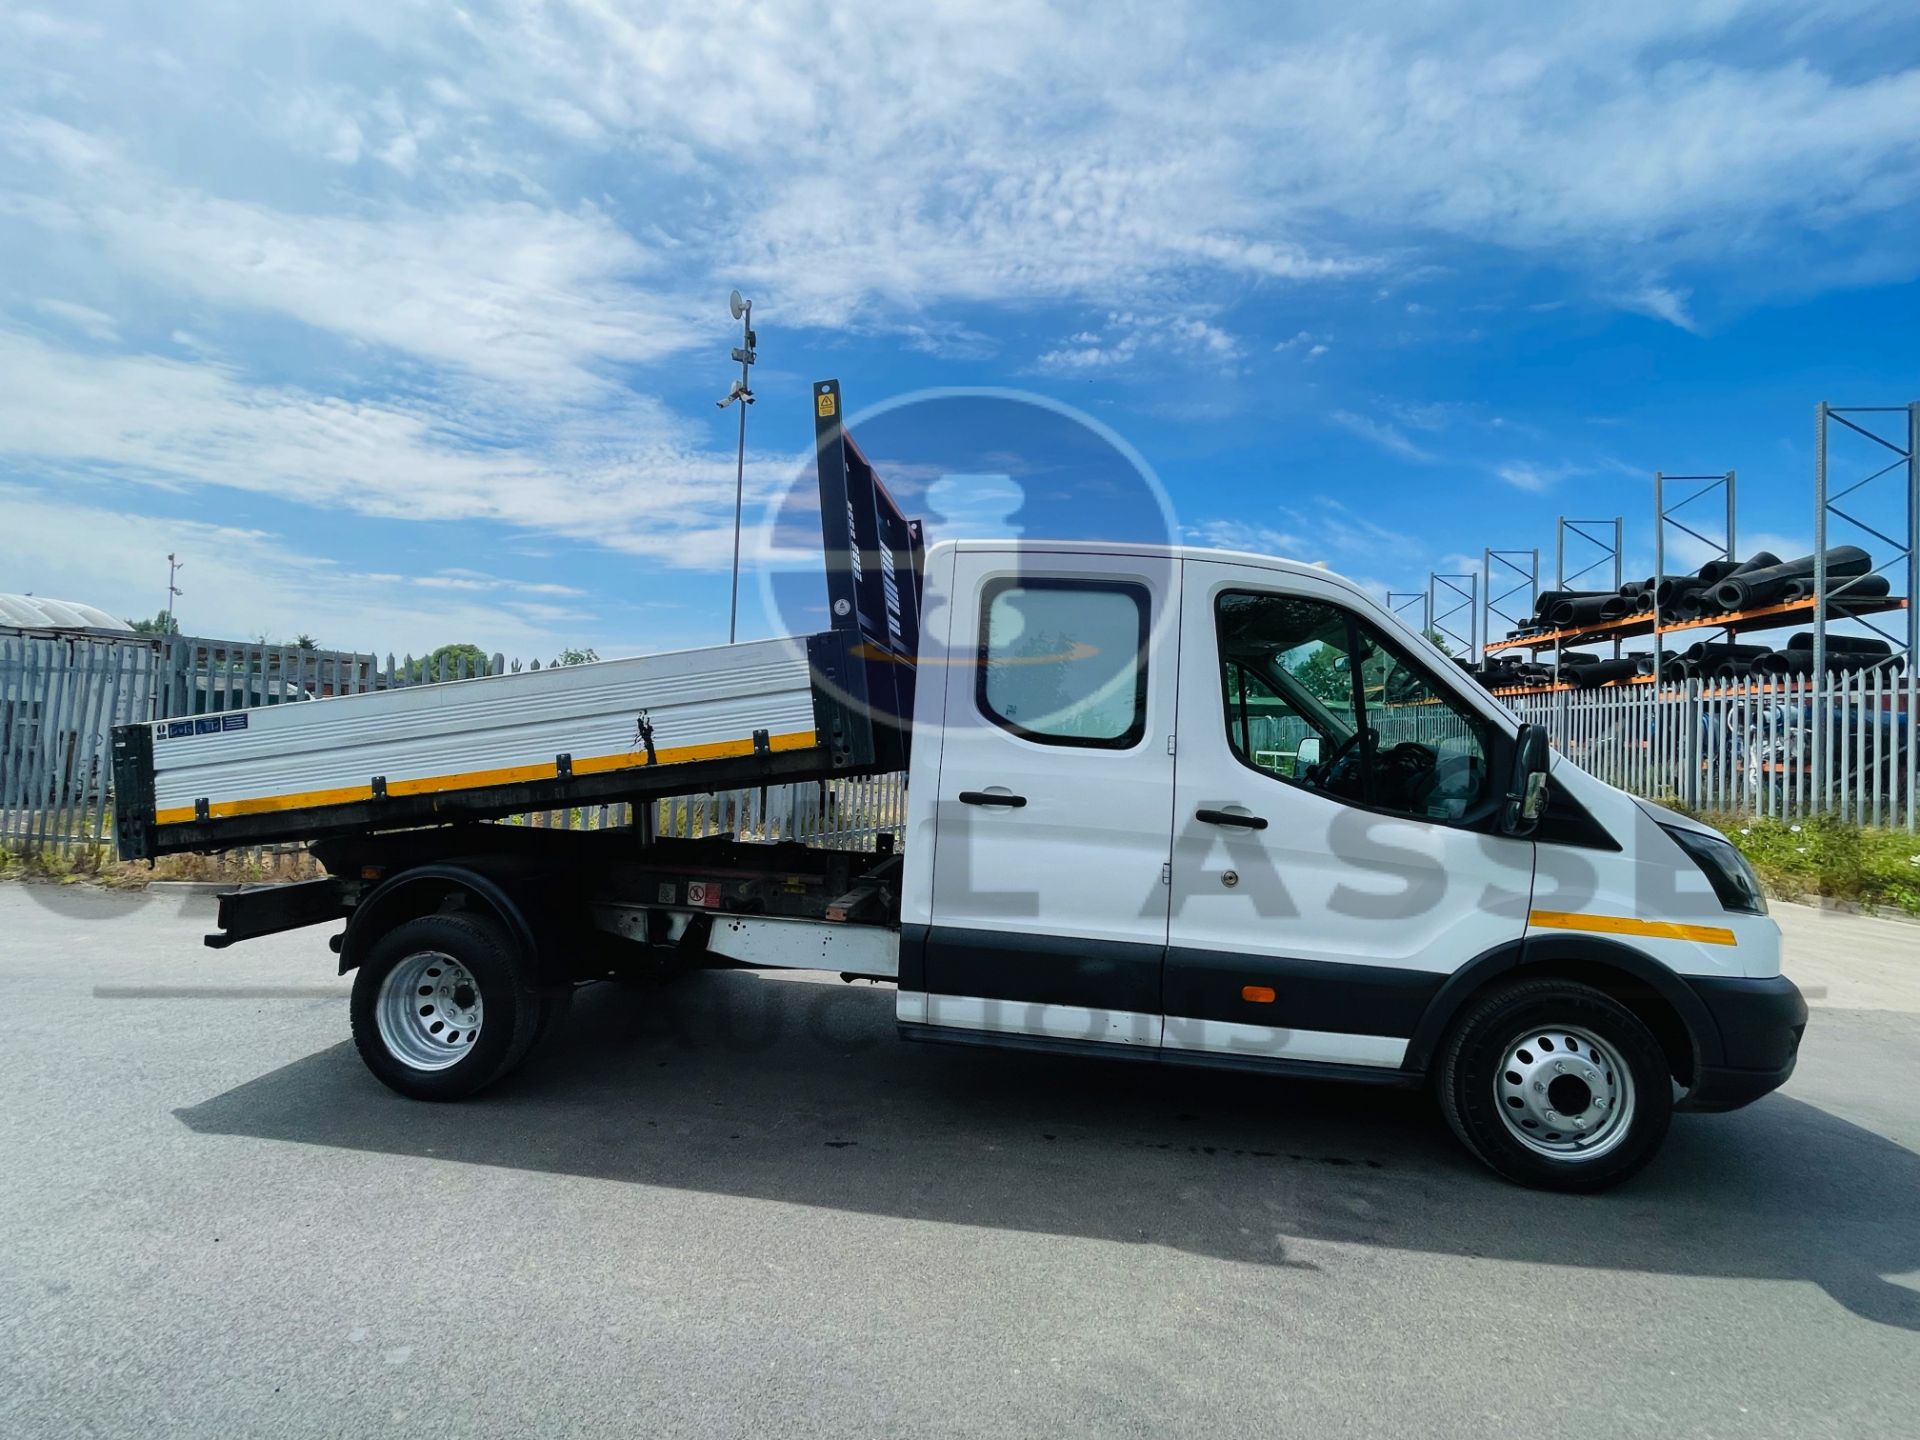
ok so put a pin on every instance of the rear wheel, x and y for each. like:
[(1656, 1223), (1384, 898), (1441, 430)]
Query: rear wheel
[(1556, 1085), (444, 1005)]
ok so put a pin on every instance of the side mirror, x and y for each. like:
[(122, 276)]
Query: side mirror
[(1307, 756), (1527, 790)]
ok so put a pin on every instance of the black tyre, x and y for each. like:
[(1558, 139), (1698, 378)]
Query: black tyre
[(554, 1009), (1556, 1085), (444, 1005)]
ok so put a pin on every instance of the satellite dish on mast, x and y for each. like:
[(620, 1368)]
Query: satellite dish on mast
[(737, 303)]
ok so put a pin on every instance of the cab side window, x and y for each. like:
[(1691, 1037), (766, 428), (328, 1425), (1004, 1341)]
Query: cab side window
[(1063, 662), (1317, 697)]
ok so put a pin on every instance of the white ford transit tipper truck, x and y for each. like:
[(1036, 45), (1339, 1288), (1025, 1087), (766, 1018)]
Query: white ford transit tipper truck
[(1173, 805)]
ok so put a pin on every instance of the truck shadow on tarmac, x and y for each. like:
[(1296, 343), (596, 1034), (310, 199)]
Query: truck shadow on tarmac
[(793, 1090)]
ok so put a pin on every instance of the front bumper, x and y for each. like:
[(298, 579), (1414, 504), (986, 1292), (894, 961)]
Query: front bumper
[(1760, 1023)]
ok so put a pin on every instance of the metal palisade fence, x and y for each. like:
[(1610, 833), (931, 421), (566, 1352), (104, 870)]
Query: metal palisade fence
[(1779, 748), (62, 694), (60, 698), (1782, 747)]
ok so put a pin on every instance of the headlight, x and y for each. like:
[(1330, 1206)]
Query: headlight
[(1725, 867)]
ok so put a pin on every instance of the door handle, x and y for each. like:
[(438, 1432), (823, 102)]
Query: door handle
[(1228, 817), (987, 797)]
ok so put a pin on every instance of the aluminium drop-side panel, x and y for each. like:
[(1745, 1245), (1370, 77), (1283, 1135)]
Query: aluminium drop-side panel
[(489, 731)]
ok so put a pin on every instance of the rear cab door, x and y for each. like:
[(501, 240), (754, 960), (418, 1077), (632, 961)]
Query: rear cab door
[(1336, 853), (1053, 815)]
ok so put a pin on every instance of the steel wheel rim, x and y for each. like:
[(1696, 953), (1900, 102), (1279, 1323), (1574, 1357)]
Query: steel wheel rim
[(429, 1011), (1564, 1093)]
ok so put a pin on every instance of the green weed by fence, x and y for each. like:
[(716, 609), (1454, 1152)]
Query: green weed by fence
[(1824, 857)]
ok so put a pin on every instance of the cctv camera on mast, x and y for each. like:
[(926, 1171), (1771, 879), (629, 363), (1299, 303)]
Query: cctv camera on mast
[(744, 356)]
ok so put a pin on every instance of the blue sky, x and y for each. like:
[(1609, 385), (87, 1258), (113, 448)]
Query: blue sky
[(403, 323)]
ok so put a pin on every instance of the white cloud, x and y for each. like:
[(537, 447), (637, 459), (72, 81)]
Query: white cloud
[(1328, 528), (1380, 433), (1240, 535), (623, 477), (1663, 303), (92, 323), (1016, 153), (241, 583), (476, 581), (39, 25), (1688, 552), (1533, 478), (1128, 337), (1353, 535), (861, 169), (539, 298)]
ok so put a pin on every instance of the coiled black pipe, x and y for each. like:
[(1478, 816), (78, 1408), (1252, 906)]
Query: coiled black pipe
[(1843, 644), (1590, 610), (1602, 671), (1690, 603), (1860, 587), (1768, 586), (1671, 590), (1548, 600), (1800, 662)]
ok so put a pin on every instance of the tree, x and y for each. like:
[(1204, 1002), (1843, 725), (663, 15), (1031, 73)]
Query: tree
[(1324, 674), (164, 623), (571, 656), (1438, 639), (449, 661)]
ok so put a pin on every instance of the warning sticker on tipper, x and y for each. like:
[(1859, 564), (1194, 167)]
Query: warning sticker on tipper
[(825, 407), (203, 725), (703, 892)]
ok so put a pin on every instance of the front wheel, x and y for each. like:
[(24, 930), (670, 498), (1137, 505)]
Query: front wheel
[(1556, 1085), (442, 1006)]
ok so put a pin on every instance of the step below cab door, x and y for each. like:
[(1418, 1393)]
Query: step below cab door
[(1049, 893), (1336, 852)]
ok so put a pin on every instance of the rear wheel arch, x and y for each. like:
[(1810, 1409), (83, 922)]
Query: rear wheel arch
[(430, 890)]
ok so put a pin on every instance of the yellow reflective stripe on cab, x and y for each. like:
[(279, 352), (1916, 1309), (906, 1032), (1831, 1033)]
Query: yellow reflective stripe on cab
[(1627, 925), (475, 779)]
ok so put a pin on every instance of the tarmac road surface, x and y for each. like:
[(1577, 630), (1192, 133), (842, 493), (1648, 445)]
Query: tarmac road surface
[(741, 1207)]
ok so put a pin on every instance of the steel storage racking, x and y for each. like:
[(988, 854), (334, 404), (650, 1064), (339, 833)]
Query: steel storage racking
[(1890, 435), (1457, 598), (1519, 571), (1666, 516), (1901, 474), (1400, 601)]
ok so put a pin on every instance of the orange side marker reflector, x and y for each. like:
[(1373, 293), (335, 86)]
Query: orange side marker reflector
[(1258, 994)]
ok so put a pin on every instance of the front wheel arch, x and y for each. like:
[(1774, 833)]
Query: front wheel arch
[(1649, 1005), (1661, 1000)]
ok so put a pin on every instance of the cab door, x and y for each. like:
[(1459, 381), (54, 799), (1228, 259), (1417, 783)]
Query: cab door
[(1049, 894), (1335, 853)]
